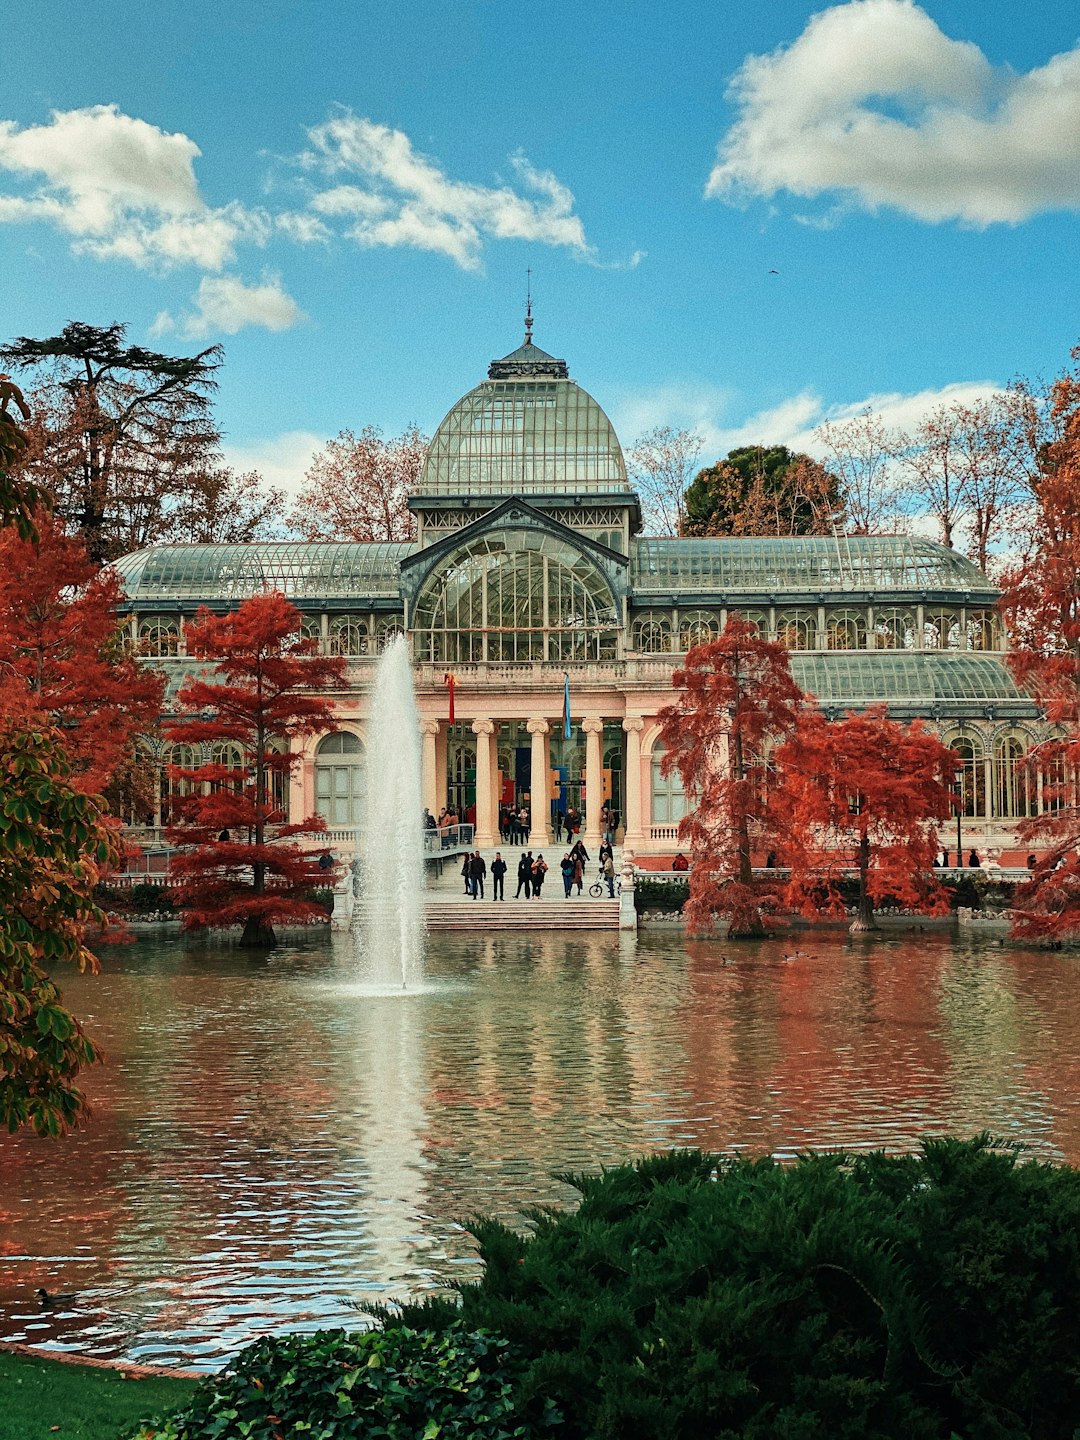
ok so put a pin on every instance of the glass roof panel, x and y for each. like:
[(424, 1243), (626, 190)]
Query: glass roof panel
[(815, 563), (300, 569), (888, 676)]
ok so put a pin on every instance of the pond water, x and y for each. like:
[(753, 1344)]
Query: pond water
[(269, 1146)]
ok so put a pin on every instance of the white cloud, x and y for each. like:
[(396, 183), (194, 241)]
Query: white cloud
[(282, 460), (121, 189), (791, 421), (224, 305), (875, 104), (402, 198)]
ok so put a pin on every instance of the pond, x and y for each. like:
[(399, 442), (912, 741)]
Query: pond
[(269, 1147)]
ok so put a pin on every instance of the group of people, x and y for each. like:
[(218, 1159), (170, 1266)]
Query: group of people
[(514, 825), (532, 869), (973, 861)]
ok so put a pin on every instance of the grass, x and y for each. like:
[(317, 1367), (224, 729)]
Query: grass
[(46, 1399)]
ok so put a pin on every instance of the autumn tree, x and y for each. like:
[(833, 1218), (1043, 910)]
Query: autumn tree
[(64, 659), (866, 792), (763, 490), (862, 451), (357, 487), (237, 860), (19, 498), (1041, 605), (736, 702), (54, 847), (114, 429), (661, 466), (218, 506)]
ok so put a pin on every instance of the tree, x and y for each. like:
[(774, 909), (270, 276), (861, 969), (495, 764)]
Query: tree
[(358, 485), (864, 791), (661, 465), (761, 490), (114, 428), (54, 846), (862, 452), (235, 863), (994, 461), (736, 701), (18, 497), (220, 507), (1041, 605), (64, 660)]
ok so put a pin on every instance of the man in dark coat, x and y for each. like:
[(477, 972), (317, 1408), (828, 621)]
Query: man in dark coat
[(477, 871), (498, 873), (525, 876)]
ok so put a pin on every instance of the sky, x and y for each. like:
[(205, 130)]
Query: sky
[(739, 218)]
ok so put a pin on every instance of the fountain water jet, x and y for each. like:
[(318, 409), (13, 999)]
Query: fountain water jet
[(389, 926)]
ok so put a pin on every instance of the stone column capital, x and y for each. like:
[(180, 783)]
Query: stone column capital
[(429, 727), (633, 723), (592, 725), (537, 727), (483, 727)]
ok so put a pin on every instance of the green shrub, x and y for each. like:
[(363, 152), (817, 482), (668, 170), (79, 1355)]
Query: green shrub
[(855, 1297), (151, 900), (666, 895), (395, 1384)]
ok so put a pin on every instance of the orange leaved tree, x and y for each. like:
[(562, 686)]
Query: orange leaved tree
[(1041, 604), (238, 863), (736, 701), (864, 792)]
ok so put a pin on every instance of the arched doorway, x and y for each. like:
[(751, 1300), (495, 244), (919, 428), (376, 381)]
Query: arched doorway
[(340, 779)]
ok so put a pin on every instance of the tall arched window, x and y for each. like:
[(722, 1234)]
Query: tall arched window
[(348, 636), (668, 798), (159, 635), (941, 629), (759, 619), (972, 776), (174, 787), (386, 632), (697, 627), (340, 779), (514, 595), (231, 755), (1014, 787), (652, 635), (845, 630), (797, 629), (983, 630), (896, 630)]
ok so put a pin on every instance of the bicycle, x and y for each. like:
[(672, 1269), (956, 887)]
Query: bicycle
[(599, 888)]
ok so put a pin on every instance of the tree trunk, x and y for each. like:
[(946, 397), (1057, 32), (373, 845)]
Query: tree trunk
[(257, 935), (748, 926), (865, 920)]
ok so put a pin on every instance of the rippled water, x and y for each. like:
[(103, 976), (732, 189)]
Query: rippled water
[(269, 1144)]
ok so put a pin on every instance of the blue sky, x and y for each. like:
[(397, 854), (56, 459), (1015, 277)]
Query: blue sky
[(347, 196)]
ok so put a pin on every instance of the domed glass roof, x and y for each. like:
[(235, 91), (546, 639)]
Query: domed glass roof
[(527, 430), (299, 569)]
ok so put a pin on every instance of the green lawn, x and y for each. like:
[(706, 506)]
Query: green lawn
[(43, 1399)]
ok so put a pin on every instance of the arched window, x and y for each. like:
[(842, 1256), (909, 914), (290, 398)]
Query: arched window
[(514, 595), (231, 755), (1014, 786), (697, 627), (311, 629), (159, 635), (797, 629), (896, 630), (941, 629), (386, 632), (348, 636), (668, 799), (340, 779), (174, 787), (759, 619), (972, 776), (845, 630), (652, 635), (983, 630)]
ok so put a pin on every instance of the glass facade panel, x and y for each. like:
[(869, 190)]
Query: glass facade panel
[(797, 629), (845, 630), (972, 775), (896, 629)]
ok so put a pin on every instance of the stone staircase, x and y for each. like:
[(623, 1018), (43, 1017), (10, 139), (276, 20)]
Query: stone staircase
[(521, 915)]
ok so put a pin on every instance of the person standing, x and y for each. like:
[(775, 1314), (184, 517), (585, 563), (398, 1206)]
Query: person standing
[(539, 870), (524, 876), (498, 876), (580, 851), (557, 824), (566, 870), (478, 870), (577, 874), (605, 852), (466, 872), (608, 871)]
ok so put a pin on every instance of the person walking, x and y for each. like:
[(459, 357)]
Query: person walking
[(577, 875), (557, 824), (466, 872), (498, 876), (608, 872), (566, 870), (525, 876), (605, 852), (579, 850), (539, 870)]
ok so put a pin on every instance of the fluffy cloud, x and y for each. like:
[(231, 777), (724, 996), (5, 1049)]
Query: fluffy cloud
[(875, 103), (224, 305), (388, 195), (121, 188), (282, 460)]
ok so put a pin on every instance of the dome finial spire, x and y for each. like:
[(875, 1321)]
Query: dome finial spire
[(528, 307)]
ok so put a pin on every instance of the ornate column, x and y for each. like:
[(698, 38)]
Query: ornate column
[(539, 805), (594, 778), (429, 730), (635, 819), (484, 730)]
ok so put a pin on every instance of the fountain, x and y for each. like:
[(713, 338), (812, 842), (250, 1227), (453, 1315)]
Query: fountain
[(389, 919)]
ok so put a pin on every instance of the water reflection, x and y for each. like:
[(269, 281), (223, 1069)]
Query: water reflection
[(268, 1144)]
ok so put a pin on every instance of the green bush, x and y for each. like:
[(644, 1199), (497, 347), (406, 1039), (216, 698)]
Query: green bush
[(855, 1297), (666, 895), (151, 900), (395, 1384)]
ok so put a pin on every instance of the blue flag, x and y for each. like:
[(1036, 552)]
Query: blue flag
[(566, 706)]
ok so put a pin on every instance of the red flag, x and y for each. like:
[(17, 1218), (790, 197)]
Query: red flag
[(448, 681)]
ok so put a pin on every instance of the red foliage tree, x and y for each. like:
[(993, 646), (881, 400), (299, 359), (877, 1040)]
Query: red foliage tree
[(1041, 605), (64, 660), (269, 690), (737, 699), (865, 791)]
